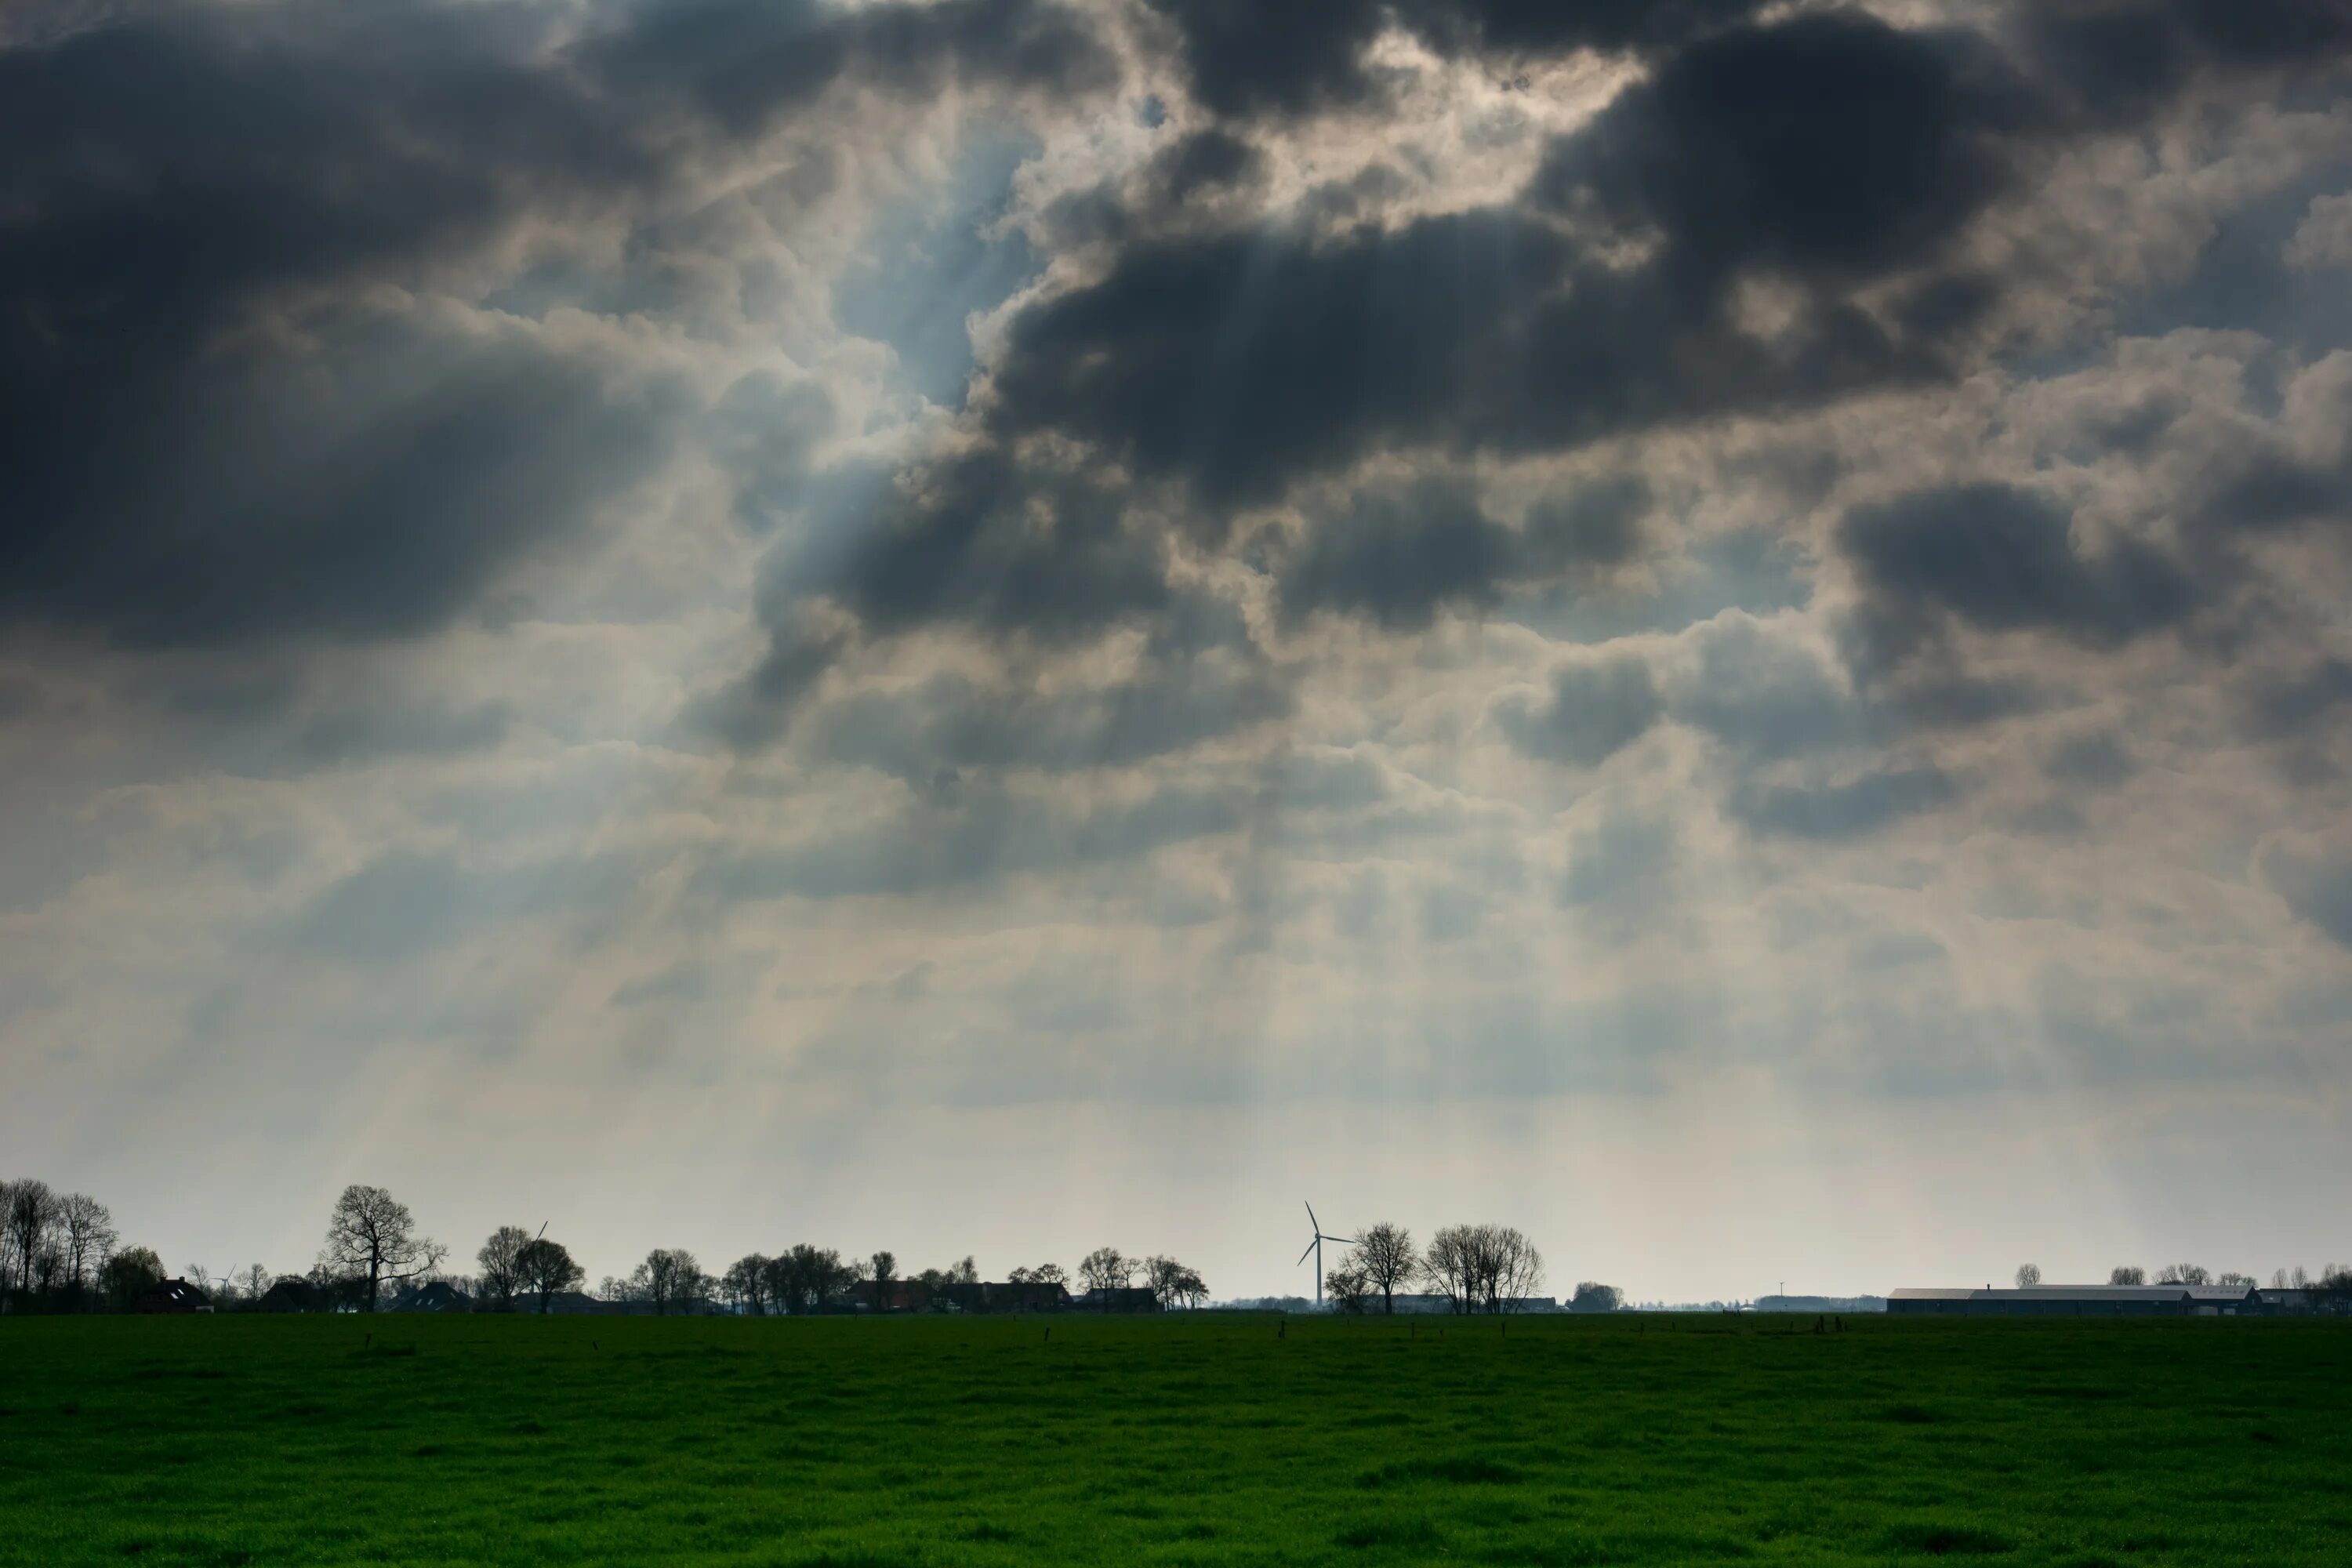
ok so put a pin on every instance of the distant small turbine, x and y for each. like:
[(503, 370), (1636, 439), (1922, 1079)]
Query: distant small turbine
[(1316, 1247)]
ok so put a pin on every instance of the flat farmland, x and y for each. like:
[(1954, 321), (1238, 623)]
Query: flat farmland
[(1206, 1439)]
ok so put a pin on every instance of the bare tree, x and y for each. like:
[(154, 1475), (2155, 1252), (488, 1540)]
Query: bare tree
[(1518, 1268), (2184, 1274), (670, 1277), (1106, 1268), (1172, 1283), (1448, 1267), (1349, 1286), (1386, 1256), (745, 1284), (254, 1282), (2127, 1275), (371, 1237), (546, 1267), (131, 1274), (1043, 1273), (2232, 1276), (2028, 1276), (24, 1227), (501, 1274), (882, 1267), (1482, 1268), (90, 1237), (807, 1278)]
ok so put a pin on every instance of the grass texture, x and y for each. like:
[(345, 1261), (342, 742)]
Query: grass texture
[(1188, 1440)]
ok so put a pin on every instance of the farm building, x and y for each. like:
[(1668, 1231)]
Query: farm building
[(173, 1296), (439, 1296), (293, 1295), (1120, 1298), (2081, 1301)]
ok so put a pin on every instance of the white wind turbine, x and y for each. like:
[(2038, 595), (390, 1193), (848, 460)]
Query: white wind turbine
[(1316, 1247)]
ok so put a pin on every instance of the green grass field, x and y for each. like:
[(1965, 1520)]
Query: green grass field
[(1185, 1440)]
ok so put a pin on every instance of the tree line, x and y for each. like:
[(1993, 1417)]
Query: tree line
[(2333, 1280), (62, 1252), (1475, 1268)]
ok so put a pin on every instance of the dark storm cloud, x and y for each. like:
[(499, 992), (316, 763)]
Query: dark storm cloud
[(1852, 809), (1289, 57), (2100, 761), (213, 433), (2287, 705), (2118, 59), (1999, 559), (2317, 885), (985, 541), (963, 836), (1594, 711), (953, 723), (1240, 361)]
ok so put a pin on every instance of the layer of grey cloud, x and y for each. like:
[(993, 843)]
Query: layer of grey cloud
[(790, 568)]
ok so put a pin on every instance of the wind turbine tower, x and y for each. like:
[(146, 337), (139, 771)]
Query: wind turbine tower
[(1316, 1247)]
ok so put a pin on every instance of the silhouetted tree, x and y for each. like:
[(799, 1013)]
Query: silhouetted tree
[(371, 1237), (131, 1274), (2184, 1274), (1349, 1286), (32, 1209), (1482, 1268), (2232, 1276), (2028, 1276), (1103, 1269), (883, 1267), (670, 1277), (1174, 1284), (808, 1278), (746, 1284), (1386, 1255), (2127, 1275), (1592, 1295), (501, 1268), (90, 1237), (1043, 1273), (546, 1267)]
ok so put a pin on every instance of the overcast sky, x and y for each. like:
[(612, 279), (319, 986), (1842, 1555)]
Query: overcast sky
[(1715, 630)]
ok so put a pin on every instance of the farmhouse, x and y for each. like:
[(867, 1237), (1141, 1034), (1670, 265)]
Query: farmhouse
[(293, 1295), (173, 1296), (2082, 1301)]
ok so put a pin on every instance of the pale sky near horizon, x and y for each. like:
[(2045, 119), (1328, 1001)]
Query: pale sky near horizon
[(1714, 629)]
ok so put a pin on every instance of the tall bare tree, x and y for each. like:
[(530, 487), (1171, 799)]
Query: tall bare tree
[(371, 1237), (670, 1278), (1386, 1256), (806, 1278), (24, 1227), (131, 1274), (501, 1273), (746, 1284), (1482, 1268), (546, 1267), (1349, 1286), (2028, 1276), (1105, 1268), (90, 1237), (1174, 1284), (882, 1269)]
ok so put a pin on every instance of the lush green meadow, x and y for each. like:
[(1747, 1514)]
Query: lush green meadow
[(1202, 1440)]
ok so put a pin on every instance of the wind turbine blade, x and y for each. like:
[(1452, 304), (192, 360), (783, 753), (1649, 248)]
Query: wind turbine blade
[(1302, 1256), (1312, 1221)]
